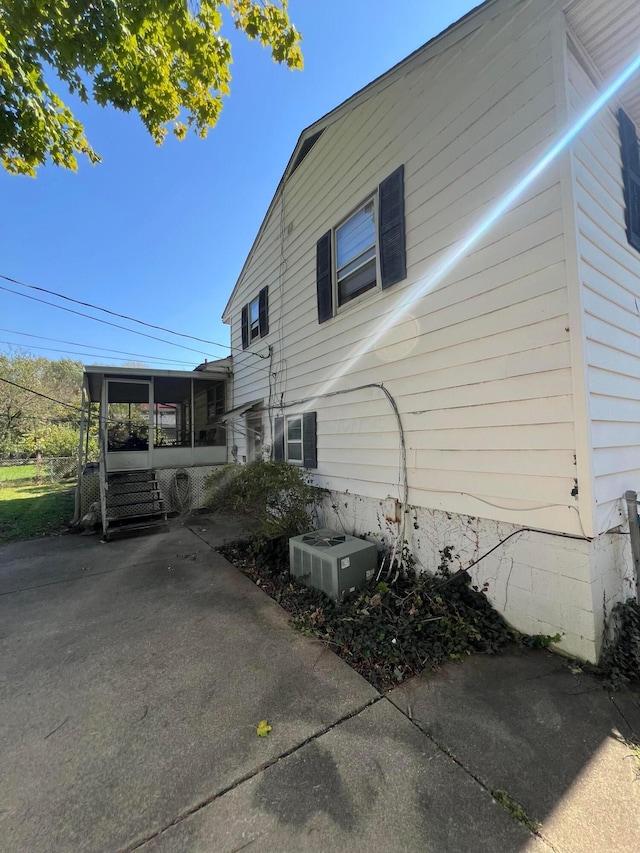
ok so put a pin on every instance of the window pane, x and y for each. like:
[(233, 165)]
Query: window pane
[(356, 263), (294, 451), (172, 412), (128, 416), (255, 312), (128, 427), (254, 319), (358, 282), (356, 235), (208, 405), (128, 392), (294, 429)]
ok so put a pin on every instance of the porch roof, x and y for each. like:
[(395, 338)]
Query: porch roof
[(95, 374)]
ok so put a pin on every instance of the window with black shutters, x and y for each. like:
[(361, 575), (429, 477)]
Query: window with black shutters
[(366, 251), (295, 440), (630, 177), (255, 318)]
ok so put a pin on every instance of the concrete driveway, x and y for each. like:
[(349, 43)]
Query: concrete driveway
[(132, 677)]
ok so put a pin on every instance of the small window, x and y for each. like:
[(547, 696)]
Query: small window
[(255, 318), (295, 440), (356, 253)]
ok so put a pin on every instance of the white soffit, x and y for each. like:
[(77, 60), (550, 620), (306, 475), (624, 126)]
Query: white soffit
[(609, 31)]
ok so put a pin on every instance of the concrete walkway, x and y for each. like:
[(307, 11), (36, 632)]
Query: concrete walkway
[(133, 675)]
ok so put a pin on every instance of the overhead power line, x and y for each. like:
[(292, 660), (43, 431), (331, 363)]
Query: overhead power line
[(38, 394), (119, 326), (121, 316), (86, 354), (99, 320), (116, 353)]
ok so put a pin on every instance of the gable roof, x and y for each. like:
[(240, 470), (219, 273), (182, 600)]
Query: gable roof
[(310, 135)]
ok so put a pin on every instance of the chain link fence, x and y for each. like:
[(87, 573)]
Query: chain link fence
[(45, 470)]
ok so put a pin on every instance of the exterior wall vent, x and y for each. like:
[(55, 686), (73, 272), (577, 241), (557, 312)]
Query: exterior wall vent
[(306, 146), (333, 562)]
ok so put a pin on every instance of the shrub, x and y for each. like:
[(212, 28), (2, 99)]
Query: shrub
[(387, 631), (279, 496), (620, 661)]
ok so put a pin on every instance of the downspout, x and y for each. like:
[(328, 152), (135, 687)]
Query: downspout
[(631, 499)]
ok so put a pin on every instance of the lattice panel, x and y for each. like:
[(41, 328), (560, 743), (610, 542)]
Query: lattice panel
[(90, 492), (165, 476), (197, 489)]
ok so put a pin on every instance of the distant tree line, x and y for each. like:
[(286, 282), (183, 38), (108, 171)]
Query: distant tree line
[(29, 423)]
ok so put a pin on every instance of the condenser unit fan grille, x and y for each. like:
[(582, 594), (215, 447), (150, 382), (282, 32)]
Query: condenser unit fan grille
[(323, 541)]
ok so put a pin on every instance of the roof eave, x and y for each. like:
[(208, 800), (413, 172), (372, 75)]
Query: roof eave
[(350, 103)]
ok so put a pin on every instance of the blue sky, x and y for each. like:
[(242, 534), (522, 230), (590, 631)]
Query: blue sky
[(161, 233)]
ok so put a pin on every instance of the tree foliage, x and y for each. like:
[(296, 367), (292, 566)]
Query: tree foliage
[(29, 422), (164, 59)]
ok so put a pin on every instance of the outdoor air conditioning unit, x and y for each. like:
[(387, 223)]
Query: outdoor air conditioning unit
[(334, 562)]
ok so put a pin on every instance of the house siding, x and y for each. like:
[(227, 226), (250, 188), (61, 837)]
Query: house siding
[(609, 272), (480, 366)]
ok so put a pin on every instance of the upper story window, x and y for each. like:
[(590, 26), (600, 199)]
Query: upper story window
[(364, 251), (630, 177), (356, 253), (255, 318)]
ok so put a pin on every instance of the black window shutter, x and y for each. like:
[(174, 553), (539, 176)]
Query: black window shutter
[(630, 177), (323, 278), (391, 229), (278, 440), (245, 326), (263, 311), (309, 443)]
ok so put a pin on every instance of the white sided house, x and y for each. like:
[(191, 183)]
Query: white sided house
[(453, 351)]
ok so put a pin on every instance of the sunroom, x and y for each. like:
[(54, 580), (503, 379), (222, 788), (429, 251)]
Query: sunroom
[(153, 426)]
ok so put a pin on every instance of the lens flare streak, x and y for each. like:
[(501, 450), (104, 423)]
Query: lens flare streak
[(462, 248)]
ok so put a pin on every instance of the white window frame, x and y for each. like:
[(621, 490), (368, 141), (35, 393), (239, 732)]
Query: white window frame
[(288, 420), (254, 324), (341, 305)]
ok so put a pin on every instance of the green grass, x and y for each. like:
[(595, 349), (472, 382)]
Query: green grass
[(17, 472), (28, 510)]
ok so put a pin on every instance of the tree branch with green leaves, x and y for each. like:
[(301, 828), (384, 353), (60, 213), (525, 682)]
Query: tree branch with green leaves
[(164, 59)]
